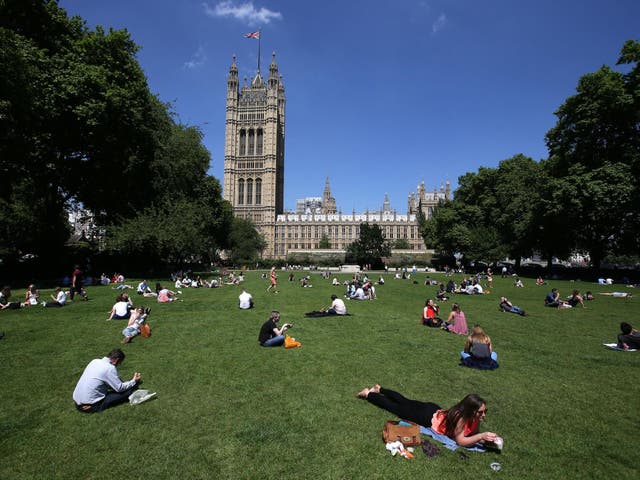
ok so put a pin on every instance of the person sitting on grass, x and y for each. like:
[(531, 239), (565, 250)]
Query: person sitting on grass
[(136, 319), (59, 300), (31, 296), (629, 338), (460, 422), (337, 307), (165, 295), (553, 300), (507, 306), (121, 310), (456, 322), (576, 299), (145, 290), (245, 300), (441, 295), (358, 293), (100, 386), (270, 335), (478, 352), (5, 304), (430, 315)]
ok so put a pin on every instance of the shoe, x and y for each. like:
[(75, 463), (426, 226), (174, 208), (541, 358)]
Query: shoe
[(44, 304), (1, 335)]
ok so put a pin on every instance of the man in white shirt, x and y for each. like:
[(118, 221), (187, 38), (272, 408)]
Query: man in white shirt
[(358, 294), (100, 386), (58, 301), (337, 306), (245, 300)]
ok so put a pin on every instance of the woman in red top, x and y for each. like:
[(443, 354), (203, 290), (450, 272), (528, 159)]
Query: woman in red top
[(461, 422), (430, 315)]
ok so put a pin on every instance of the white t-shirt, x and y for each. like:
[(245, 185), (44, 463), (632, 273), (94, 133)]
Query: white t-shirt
[(359, 294), (245, 300), (339, 306), (121, 308), (61, 298)]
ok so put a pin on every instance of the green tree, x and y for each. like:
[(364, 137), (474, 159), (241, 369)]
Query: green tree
[(324, 242), (401, 244), (595, 152), (79, 127), (246, 244), (370, 247)]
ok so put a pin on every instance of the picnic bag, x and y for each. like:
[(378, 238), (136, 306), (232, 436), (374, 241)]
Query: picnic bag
[(409, 435), (290, 342), (145, 330)]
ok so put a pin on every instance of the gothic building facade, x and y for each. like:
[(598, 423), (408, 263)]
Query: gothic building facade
[(254, 179)]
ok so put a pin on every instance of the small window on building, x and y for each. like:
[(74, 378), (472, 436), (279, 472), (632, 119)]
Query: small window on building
[(259, 142), (240, 192), (249, 191), (243, 142), (258, 191)]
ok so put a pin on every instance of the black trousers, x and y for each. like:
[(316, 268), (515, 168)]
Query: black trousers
[(405, 408), (111, 400)]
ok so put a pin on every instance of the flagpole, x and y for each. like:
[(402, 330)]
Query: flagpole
[(259, 35)]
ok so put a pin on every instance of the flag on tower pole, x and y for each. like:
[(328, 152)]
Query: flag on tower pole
[(255, 35)]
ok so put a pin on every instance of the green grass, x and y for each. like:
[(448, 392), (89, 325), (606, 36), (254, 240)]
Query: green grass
[(227, 408)]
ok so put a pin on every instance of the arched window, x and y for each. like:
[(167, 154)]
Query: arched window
[(240, 191), (249, 191), (243, 142), (259, 142), (258, 191), (252, 139)]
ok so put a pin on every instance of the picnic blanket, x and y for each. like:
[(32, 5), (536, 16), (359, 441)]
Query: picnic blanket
[(614, 346), (450, 443)]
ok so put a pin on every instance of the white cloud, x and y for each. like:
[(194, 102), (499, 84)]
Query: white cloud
[(197, 59), (245, 12), (439, 24)]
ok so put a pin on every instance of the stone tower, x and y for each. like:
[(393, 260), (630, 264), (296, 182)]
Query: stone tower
[(328, 202), (254, 148)]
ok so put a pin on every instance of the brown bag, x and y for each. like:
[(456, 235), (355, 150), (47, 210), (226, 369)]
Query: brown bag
[(409, 435), (145, 330)]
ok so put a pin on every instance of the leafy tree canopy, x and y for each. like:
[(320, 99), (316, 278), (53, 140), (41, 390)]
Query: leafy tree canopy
[(370, 247)]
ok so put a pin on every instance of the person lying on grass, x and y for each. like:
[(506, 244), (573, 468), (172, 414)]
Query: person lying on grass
[(460, 423), (136, 319), (629, 338), (507, 306)]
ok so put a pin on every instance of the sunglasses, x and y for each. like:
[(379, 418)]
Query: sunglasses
[(480, 412)]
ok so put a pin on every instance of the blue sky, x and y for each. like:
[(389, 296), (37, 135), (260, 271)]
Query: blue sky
[(381, 94)]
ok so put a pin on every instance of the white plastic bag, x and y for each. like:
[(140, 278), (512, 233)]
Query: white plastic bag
[(140, 396)]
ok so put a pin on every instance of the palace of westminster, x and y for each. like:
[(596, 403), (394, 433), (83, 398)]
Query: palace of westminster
[(254, 179)]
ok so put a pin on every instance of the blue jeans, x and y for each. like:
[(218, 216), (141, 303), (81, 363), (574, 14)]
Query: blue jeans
[(274, 341), (494, 355), (517, 310)]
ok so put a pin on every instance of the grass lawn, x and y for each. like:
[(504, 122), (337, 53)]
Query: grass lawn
[(227, 408)]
